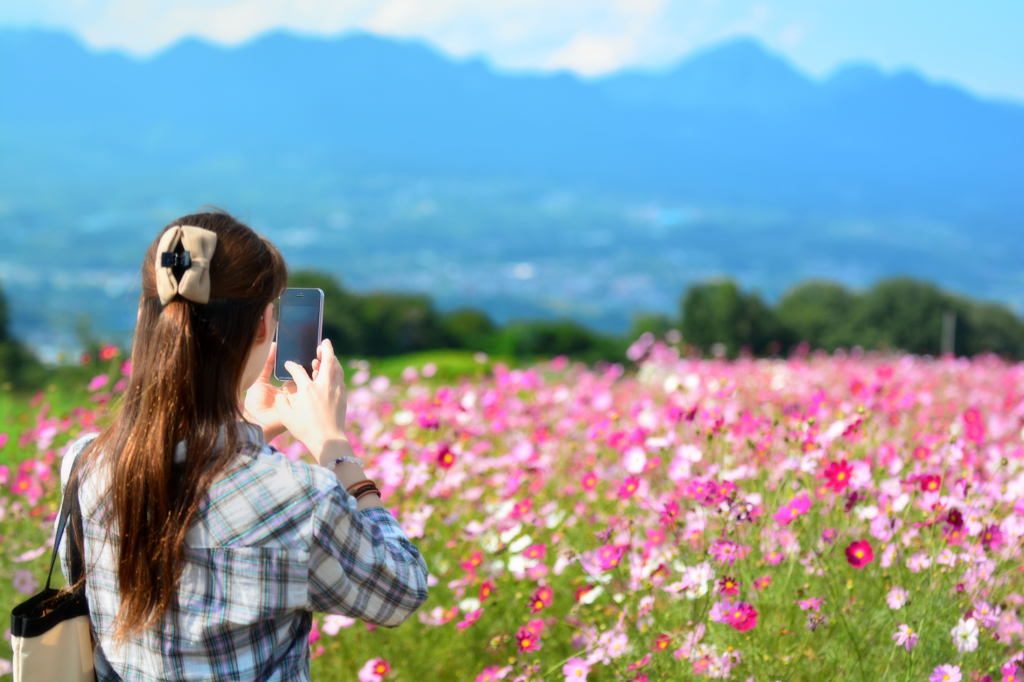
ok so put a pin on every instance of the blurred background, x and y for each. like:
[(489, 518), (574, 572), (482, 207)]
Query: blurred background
[(523, 177)]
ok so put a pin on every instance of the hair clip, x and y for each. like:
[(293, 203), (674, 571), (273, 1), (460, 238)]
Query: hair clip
[(173, 259)]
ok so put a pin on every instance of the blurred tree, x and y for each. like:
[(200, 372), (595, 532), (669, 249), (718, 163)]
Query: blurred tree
[(538, 338), (468, 328), (400, 323), (988, 327), (653, 322), (343, 323), (718, 312), (818, 312), (4, 316), (19, 367), (901, 313)]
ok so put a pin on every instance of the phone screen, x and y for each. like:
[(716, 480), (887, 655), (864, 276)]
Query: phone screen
[(299, 329)]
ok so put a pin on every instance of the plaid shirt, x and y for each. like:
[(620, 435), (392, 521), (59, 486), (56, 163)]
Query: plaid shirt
[(275, 540)]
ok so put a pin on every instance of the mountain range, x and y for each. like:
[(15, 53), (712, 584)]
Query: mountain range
[(734, 123), (393, 165)]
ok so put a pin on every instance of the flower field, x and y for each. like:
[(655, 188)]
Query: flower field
[(848, 517)]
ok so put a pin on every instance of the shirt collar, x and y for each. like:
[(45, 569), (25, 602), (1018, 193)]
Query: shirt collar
[(249, 433)]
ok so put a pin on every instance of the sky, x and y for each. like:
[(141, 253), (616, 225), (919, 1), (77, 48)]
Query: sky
[(976, 45)]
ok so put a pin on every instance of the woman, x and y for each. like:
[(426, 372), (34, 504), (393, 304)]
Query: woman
[(207, 550)]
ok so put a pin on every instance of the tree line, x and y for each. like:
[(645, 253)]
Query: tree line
[(715, 317)]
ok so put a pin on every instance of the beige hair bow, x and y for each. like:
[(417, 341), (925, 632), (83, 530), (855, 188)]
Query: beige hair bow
[(199, 244)]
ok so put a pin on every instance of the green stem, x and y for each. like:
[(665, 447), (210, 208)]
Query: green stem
[(839, 611)]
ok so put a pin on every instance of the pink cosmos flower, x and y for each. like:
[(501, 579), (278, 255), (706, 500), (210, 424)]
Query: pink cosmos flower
[(589, 480), (536, 551), (25, 581), (542, 597), (986, 614), (493, 673), (314, 632), (992, 537), (896, 598), (629, 486), (727, 551), (374, 670), (813, 604), (576, 668), (946, 673), (334, 622), (905, 637), (98, 382), (798, 506), (608, 556)]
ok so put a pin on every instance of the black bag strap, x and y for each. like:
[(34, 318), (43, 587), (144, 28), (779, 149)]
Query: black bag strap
[(65, 511)]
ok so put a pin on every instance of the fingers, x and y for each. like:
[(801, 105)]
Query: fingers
[(298, 373), (329, 361)]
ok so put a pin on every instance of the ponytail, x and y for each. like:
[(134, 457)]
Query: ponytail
[(187, 364)]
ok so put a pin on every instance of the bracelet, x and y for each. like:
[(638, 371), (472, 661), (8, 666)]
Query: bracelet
[(358, 484), (364, 493), (347, 458), (366, 489)]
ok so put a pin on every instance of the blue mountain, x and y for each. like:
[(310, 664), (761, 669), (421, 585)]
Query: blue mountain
[(734, 123)]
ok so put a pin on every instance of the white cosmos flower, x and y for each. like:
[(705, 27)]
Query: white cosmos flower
[(965, 635)]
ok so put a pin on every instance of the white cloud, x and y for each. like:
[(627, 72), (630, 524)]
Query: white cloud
[(586, 36), (621, 41)]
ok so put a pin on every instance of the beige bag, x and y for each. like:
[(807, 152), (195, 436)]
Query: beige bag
[(50, 632)]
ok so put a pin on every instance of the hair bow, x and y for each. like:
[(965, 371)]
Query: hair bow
[(199, 244)]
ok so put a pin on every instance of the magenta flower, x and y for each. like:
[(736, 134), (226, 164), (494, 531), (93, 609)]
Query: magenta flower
[(859, 553), (743, 617), (98, 382), (629, 486), (608, 556), (812, 604), (374, 670), (471, 617), (798, 506)]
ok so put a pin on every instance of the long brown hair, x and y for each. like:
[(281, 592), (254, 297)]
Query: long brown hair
[(187, 364)]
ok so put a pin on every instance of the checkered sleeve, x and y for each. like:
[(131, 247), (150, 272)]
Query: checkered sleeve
[(362, 565)]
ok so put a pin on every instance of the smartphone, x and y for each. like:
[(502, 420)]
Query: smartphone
[(300, 326)]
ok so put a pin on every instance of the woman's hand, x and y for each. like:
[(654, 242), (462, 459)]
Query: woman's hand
[(258, 406), (313, 409)]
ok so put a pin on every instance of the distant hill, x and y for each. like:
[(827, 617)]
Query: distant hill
[(734, 123), (393, 166)]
